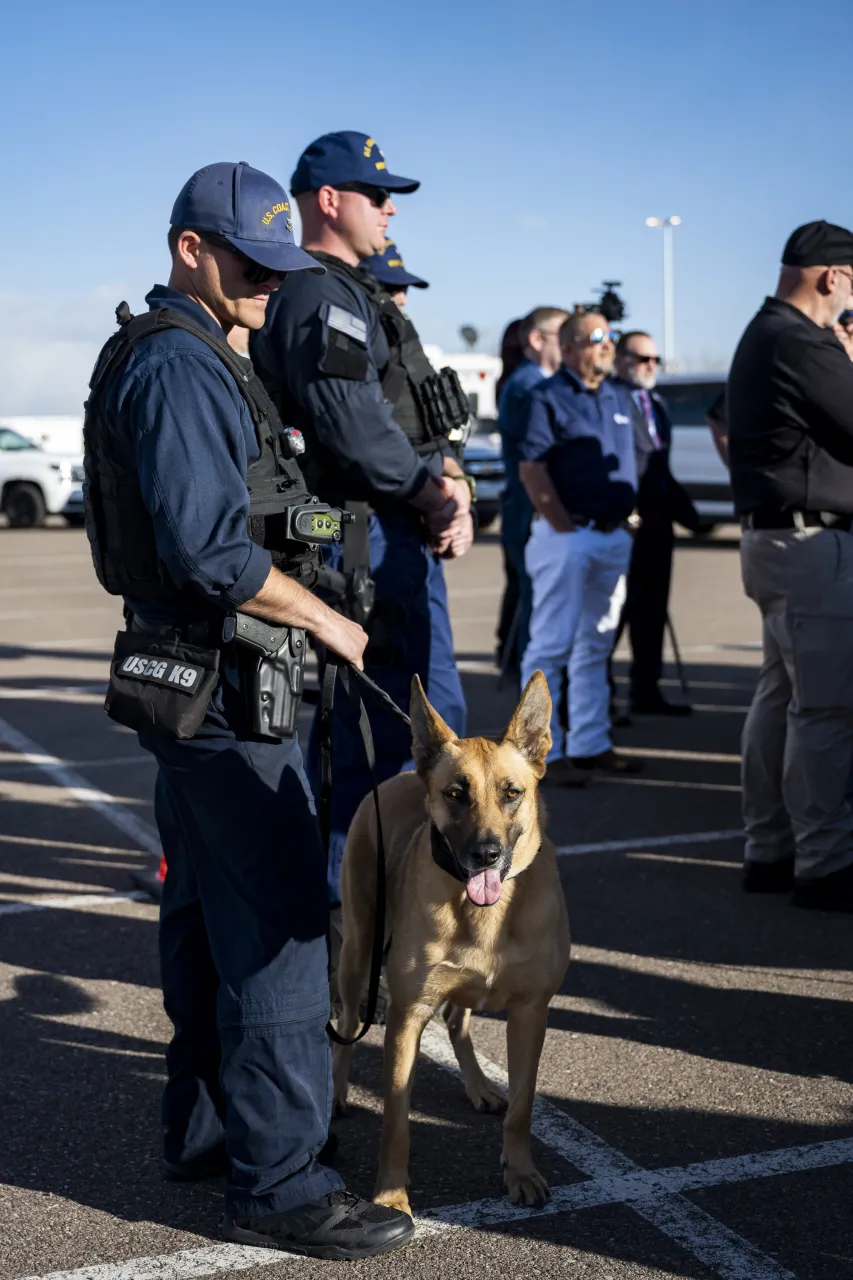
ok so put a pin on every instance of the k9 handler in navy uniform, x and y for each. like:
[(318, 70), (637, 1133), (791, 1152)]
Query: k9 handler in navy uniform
[(343, 366), (177, 432)]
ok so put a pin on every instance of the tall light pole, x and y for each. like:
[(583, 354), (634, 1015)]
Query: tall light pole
[(666, 225)]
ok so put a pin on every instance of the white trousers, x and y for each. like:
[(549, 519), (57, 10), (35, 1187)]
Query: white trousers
[(578, 592)]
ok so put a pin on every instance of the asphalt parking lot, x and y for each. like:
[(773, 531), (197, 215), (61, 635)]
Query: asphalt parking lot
[(695, 1115)]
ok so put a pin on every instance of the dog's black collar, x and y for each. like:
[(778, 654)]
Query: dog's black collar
[(443, 854)]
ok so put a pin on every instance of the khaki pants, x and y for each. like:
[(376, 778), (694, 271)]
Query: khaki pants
[(798, 737)]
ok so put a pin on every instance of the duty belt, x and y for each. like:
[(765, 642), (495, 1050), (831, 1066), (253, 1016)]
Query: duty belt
[(796, 520)]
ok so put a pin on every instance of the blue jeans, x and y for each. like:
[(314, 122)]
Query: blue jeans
[(409, 634), (243, 960), (578, 592)]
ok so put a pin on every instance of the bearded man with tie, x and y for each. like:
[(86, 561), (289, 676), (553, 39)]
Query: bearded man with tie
[(660, 501)]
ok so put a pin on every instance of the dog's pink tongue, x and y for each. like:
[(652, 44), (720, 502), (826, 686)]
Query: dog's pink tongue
[(484, 889)]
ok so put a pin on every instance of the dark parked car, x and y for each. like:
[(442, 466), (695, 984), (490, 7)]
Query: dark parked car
[(484, 461)]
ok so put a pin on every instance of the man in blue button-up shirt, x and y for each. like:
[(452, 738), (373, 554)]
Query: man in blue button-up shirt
[(539, 336), (579, 470)]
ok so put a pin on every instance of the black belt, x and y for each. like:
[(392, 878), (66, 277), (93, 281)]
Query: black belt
[(189, 632), (600, 526), (796, 520)]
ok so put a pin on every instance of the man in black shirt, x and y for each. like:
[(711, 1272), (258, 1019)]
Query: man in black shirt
[(790, 413)]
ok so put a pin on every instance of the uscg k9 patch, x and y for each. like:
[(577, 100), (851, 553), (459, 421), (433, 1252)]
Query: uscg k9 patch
[(182, 676)]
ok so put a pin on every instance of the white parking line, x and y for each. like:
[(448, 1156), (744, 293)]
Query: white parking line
[(96, 762), (118, 815), (68, 901), (650, 842), (631, 1188), (723, 1251)]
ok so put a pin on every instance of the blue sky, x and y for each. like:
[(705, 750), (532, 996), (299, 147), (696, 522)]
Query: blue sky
[(544, 135)]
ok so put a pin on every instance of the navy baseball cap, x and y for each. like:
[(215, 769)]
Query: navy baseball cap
[(387, 267), (249, 210), (346, 157)]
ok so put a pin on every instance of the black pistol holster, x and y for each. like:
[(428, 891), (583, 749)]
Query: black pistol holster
[(272, 664)]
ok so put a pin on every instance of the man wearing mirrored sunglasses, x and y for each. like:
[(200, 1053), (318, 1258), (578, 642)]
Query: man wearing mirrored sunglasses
[(187, 491), (660, 501), (331, 361), (579, 468)]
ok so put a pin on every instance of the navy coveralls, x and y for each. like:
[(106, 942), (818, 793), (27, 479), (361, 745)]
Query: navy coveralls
[(244, 914), (360, 453)]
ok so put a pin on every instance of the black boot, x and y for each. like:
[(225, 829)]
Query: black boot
[(338, 1226), (768, 877), (826, 893)]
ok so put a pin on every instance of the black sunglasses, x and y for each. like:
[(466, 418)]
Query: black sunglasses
[(644, 359), (253, 272), (376, 195)]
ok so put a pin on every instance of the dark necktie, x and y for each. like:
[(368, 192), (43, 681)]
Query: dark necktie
[(649, 412)]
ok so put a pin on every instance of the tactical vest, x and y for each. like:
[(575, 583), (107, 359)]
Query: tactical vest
[(428, 406), (406, 381), (120, 529)]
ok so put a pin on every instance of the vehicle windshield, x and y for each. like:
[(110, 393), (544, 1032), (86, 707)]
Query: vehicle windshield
[(688, 402), (12, 440)]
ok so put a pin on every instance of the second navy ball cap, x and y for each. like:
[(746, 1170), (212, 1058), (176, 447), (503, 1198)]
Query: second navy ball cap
[(819, 244), (342, 157)]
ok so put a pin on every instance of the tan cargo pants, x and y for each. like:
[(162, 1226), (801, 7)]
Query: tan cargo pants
[(798, 737)]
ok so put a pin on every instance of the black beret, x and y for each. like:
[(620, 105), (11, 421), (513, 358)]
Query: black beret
[(819, 244)]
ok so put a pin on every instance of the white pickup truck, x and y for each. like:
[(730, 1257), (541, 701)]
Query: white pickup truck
[(35, 482)]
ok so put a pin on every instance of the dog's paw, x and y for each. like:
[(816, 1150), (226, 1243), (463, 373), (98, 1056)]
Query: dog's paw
[(527, 1186), (397, 1199), (486, 1097), (340, 1105)]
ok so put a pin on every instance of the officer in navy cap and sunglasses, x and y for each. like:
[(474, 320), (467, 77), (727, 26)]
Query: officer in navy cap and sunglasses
[(335, 357), (191, 500), (389, 269)]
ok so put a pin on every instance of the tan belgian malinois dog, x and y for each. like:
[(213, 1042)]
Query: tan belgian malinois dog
[(476, 917)]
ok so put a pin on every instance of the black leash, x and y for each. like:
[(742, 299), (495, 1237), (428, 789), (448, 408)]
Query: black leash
[(340, 670)]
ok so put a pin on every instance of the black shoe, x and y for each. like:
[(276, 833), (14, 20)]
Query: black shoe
[(610, 761), (827, 893), (337, 1226), (656, 705), (562, 773), (768, 877), (212, 1165)]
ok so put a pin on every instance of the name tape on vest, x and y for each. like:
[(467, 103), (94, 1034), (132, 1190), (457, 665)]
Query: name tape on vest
[(346, 322), (166, 671)]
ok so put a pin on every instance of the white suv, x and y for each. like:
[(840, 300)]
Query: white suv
[(35, 483)]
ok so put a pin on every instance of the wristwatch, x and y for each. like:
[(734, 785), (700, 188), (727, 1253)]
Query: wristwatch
[(471, 483)]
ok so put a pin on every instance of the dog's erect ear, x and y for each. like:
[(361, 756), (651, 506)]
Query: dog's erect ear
[(530, 727), (429, 732)]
